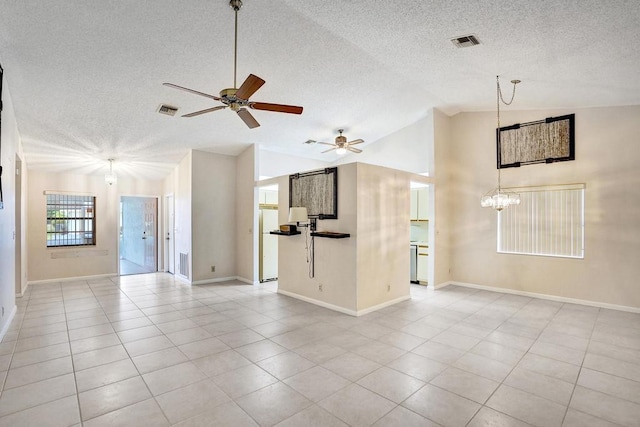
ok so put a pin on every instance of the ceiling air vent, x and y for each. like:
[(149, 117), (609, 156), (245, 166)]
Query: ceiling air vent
[(465, 41), (167, 109)]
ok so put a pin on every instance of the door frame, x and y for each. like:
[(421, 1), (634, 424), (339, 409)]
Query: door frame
[(169, 222), (157, 230), (18, 272)]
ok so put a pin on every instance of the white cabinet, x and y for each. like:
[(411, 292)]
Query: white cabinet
[(419, 204), (423, 204), (423, 264), (413, 212), (268, 197)]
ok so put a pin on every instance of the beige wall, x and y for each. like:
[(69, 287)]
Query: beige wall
[(80, 261), (607, 154), (181, 180), (383, 235), (442, 173), (335, 260), (246, 216), (213, 216), (355, 273)]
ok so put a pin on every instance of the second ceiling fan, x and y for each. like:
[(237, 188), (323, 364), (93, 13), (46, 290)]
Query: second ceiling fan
[(237, 99), (341, 145)]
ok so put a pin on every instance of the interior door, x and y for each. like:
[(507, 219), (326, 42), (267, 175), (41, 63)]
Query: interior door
[(138, 235)]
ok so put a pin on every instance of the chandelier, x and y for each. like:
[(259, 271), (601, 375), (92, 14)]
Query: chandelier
[(498, 198)]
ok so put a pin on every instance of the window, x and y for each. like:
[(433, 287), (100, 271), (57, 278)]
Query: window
[(549, 221), (70, 220)]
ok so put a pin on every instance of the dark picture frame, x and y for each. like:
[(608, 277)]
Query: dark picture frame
[(317, 191), (543, 141)]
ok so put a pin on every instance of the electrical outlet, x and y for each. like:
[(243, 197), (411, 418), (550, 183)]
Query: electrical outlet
[(320, 287), (389, 288), (213, 268)]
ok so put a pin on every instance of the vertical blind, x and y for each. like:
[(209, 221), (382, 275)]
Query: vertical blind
[(549, 221)]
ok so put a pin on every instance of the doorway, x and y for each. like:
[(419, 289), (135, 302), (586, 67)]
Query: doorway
[(268, 243), (18, 228), (138, 252), (169, 227)]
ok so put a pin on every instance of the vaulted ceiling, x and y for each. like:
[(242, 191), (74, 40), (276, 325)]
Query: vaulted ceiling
[(86, 77)]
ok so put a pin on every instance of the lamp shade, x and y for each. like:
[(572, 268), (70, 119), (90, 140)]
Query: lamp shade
[(298, 214)]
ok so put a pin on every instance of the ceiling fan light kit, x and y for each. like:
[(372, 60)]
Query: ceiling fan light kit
[(341, 145), (237, 99)]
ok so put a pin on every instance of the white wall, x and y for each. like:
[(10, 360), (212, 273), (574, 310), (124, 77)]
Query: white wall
[(274, 164), (213, 216), (246, 216), (607, 157), (101, 259), (408, 149), (11, 146)]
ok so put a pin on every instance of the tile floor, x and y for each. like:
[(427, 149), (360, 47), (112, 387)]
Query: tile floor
[(148, 351)]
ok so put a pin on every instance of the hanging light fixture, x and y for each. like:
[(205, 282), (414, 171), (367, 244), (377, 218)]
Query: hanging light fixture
[(111, 177), (498, 198)]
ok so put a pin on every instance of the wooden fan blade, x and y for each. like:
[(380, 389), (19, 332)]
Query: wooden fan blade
[(324, 143), (249, 87), (356, 141), (208, 110), (191, 90), (279, 108), (330, 149), (247, 118), (355, 150)]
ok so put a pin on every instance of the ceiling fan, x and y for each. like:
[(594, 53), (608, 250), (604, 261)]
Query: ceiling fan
[(237, 99), (341, 145)]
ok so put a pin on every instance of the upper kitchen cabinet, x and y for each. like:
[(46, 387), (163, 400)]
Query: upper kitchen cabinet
[(419, 204)]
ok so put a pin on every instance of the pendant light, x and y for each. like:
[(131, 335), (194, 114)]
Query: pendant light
[(111, 177), (498, 198)]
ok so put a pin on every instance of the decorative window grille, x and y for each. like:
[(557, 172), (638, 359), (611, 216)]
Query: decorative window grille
[(549, 221), (71, 220)]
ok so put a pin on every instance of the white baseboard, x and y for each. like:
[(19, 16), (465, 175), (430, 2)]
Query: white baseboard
[(442, 285), (546, 296), (383, 305), (319, 303), (70, 279), (5, 328), (220, 279), (342, 309), (21, 294), (247, 281)]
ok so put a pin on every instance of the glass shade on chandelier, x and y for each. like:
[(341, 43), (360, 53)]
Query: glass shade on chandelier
[(499, 199), (341, 150), (110, 178)]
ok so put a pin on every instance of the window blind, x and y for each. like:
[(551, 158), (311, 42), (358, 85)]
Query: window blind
[(549, 221)]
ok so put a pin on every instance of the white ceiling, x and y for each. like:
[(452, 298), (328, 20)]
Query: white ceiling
[(86, 77)]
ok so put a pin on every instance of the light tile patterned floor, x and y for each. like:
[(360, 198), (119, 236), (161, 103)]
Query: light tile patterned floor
[(148, 351)]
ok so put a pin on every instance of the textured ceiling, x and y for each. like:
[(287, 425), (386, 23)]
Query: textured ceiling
[(86, 77)]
